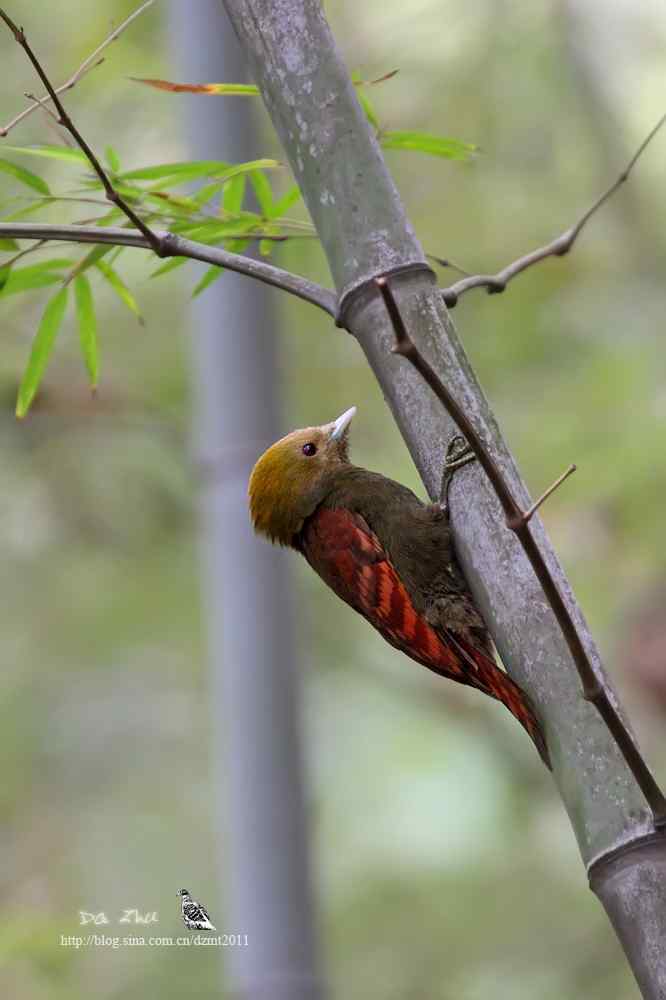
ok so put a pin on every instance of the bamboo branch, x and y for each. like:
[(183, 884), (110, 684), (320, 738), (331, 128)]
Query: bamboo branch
[(517, 521), (155, 243), (91, 62), (561, 245), (178, 246), (162, 242)]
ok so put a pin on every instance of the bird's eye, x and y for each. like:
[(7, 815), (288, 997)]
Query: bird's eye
[(309, 449)]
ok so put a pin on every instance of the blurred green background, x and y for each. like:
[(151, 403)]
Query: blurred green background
[(445, 865)]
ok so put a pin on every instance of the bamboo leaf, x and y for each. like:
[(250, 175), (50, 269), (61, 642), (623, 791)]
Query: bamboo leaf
[(42, 346), (212, 274), (8, 245), (237, 89), (25, 177), (263, 192), (232, 198), (25, 279), (238, 245), (181, 171), (423, 142), (170, 265), (22, 213), (85, 314), (170, 174), (119, 287), (112, 159), (214, 232), (89, 260), (108, 220), (247, 168), (171, 204), (285, 202), (207, 193), (232, 89), (51, 152), (368, 108)]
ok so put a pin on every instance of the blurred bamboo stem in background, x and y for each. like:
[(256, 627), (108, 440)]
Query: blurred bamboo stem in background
[(257, 770)]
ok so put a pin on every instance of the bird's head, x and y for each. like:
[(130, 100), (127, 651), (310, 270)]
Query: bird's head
[(290, 479), (183, 892)]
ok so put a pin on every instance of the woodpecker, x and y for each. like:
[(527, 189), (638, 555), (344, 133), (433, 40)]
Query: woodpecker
[(385, 553)]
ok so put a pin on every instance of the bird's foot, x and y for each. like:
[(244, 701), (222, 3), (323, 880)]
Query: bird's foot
[(458, 454)]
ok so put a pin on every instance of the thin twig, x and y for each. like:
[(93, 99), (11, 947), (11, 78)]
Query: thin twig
[(178, 246), (51, 117), (528, 514), (496, 283), (593, 689), (39, 245), (92, 62), (112, 195), (447, 262)]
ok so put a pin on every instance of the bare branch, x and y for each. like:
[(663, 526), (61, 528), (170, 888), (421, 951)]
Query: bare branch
[(593, 689), (496, 283), (178, 246), (92, 62), (111, 194)]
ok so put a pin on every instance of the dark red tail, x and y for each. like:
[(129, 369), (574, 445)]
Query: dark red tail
[(488, 677)]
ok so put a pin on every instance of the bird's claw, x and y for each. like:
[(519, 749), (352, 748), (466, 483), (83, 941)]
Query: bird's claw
[(458, 453)]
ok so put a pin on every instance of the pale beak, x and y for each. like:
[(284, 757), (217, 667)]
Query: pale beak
[(339, 426)]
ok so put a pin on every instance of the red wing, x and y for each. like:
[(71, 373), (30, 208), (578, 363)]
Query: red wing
[(349, 557), (341, 547)]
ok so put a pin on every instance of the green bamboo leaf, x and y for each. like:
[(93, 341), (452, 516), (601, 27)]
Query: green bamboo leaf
[(212, 274), (246, 168), (119, 287), (112, 159), (214, 232), (9, 245), (25, 279), (51, 152), (170, 265), (170, 174), (110, 218), (180, 172), (40, 353), (171, 204), (246, 89), (89, 260), (130, 192), (25, 177), (238, 245), (263, 192), (368, 108), (364, 100), (233, 89), (232, 198), (284, 203), (423, 142), (85, 314), (207, 192), (22, 213)]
